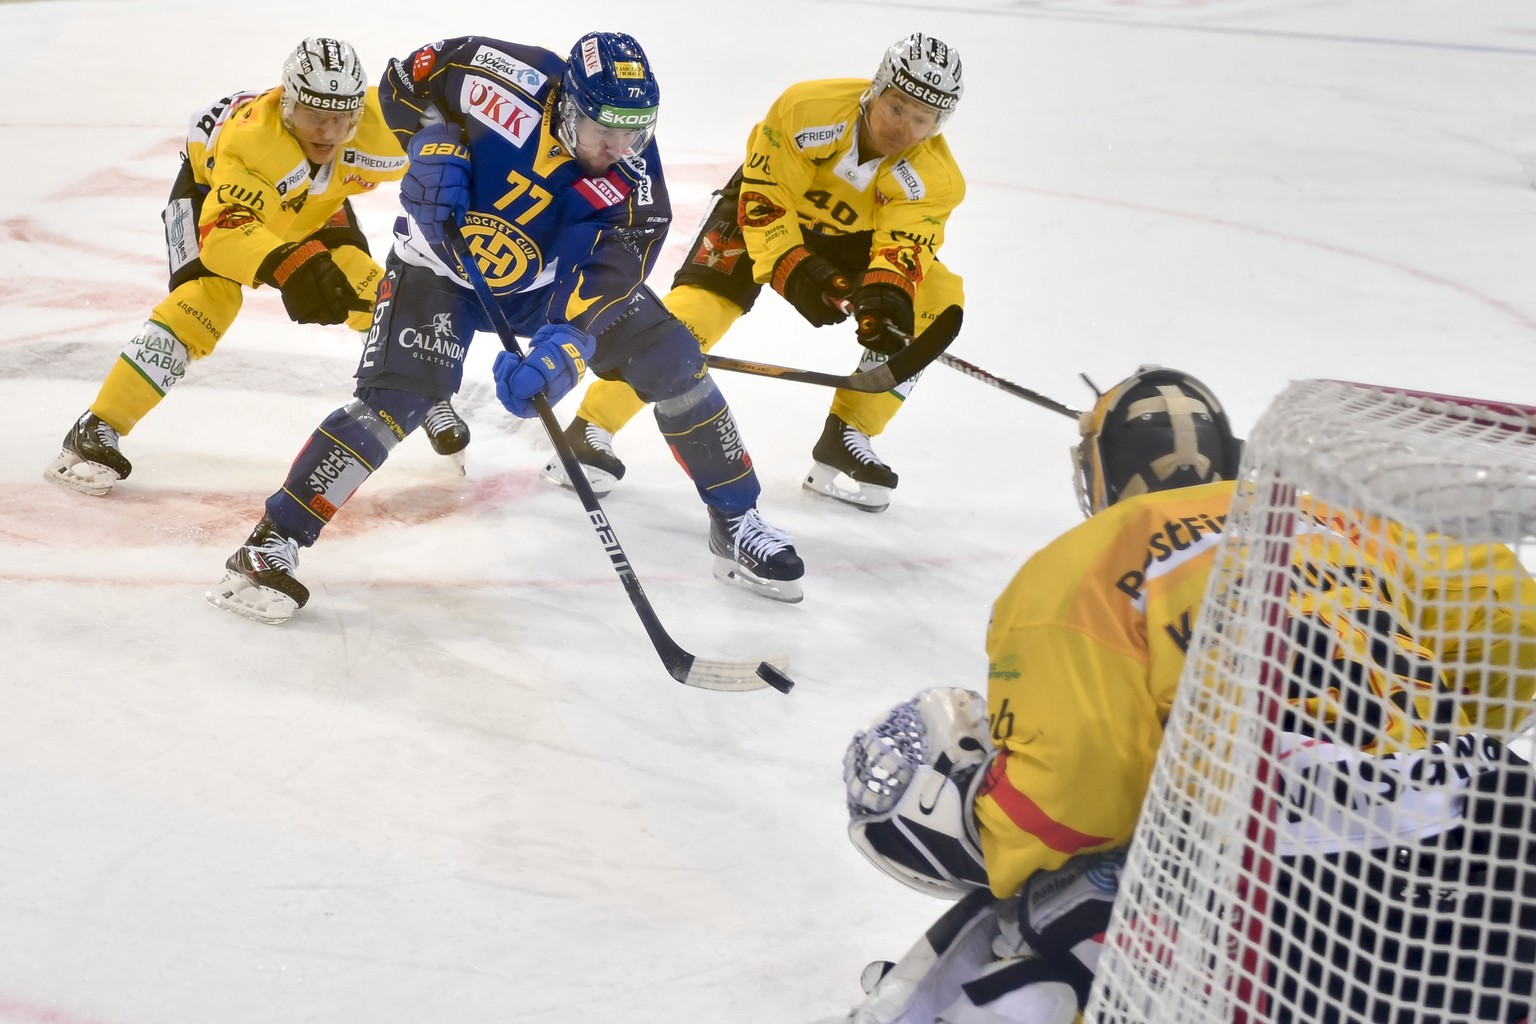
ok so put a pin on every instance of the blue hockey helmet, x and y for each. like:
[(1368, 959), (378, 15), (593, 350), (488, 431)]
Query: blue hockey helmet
[(608, 81)]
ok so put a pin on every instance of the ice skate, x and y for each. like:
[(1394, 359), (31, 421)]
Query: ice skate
[(259, 583), (594, 448), (89, 460), (447, 432), (755, 556), (847, 469)]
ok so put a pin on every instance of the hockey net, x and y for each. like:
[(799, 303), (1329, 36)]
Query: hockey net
[(1340, 823)]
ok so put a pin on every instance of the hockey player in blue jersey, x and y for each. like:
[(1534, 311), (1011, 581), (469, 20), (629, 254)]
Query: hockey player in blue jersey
[(551, 167)]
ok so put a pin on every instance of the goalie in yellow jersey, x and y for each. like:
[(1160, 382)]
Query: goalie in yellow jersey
[(1022, 801), (841, 204), (262, 198)]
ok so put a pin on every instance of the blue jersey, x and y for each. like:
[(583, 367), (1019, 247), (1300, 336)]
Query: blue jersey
[(536, 220)]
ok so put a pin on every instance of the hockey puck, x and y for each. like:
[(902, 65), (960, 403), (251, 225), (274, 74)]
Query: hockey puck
[(775, 678)]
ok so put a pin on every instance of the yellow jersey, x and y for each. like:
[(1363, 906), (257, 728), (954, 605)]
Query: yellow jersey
[(802, 174), (1087, 644), (261, 190)]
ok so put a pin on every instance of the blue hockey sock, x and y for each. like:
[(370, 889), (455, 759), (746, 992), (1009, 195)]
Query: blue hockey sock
[(343, 452), (702, 434)]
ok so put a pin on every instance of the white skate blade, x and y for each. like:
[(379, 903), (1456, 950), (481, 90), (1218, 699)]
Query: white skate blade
[(456, 459), (72, 472), (237, 594), (827, 482), (601, 480), (728, 571)]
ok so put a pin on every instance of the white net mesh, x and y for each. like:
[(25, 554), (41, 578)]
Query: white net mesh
[(1340, 826)]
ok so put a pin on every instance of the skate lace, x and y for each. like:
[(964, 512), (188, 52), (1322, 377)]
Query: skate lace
[(859, 447), (597, 437), (280, 551), (756, 537), (106, 436), (441, 417)]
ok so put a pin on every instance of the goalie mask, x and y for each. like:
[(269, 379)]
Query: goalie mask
[(1156, 430), (911, 779)]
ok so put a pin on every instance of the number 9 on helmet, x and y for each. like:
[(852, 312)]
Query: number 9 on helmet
[(324, 76), (911, 778)]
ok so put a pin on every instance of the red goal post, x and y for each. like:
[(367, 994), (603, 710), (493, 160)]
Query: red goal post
[(1338, 827)]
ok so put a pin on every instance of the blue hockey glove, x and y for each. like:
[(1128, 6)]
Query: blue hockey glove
[(557, 357), (436, 187)]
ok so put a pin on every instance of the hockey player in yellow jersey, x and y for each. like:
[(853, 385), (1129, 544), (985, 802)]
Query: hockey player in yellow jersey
[(262, 198), (1022, 801), (840, 204)]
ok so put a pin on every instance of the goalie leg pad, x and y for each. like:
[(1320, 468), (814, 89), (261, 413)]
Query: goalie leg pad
[(929, 976), (1029, 991)]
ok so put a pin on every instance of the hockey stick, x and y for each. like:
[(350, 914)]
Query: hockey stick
[(681, 665), (907, 363), (1018, 391)]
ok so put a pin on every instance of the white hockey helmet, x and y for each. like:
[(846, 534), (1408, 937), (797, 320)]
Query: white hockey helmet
[(924, 68), (911, 779), (323, 74)]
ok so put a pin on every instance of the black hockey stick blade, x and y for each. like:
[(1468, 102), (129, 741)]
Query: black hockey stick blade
[(680, 664), (923, 349), (907, 363), (1018, 391)]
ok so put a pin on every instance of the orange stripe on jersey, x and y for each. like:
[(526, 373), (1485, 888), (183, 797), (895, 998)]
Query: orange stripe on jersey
[(1028, 815)]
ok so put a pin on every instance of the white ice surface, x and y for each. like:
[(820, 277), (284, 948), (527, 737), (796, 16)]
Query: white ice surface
[(458, 787)]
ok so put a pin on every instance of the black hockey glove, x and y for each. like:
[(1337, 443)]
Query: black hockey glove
[(315, 291), (884, 314), (813, 285)]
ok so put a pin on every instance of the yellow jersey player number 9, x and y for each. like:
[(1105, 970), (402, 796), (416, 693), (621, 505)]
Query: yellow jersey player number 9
[(261, 198)]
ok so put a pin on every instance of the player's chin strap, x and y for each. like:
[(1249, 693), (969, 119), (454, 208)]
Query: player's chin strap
[(680, 664)]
